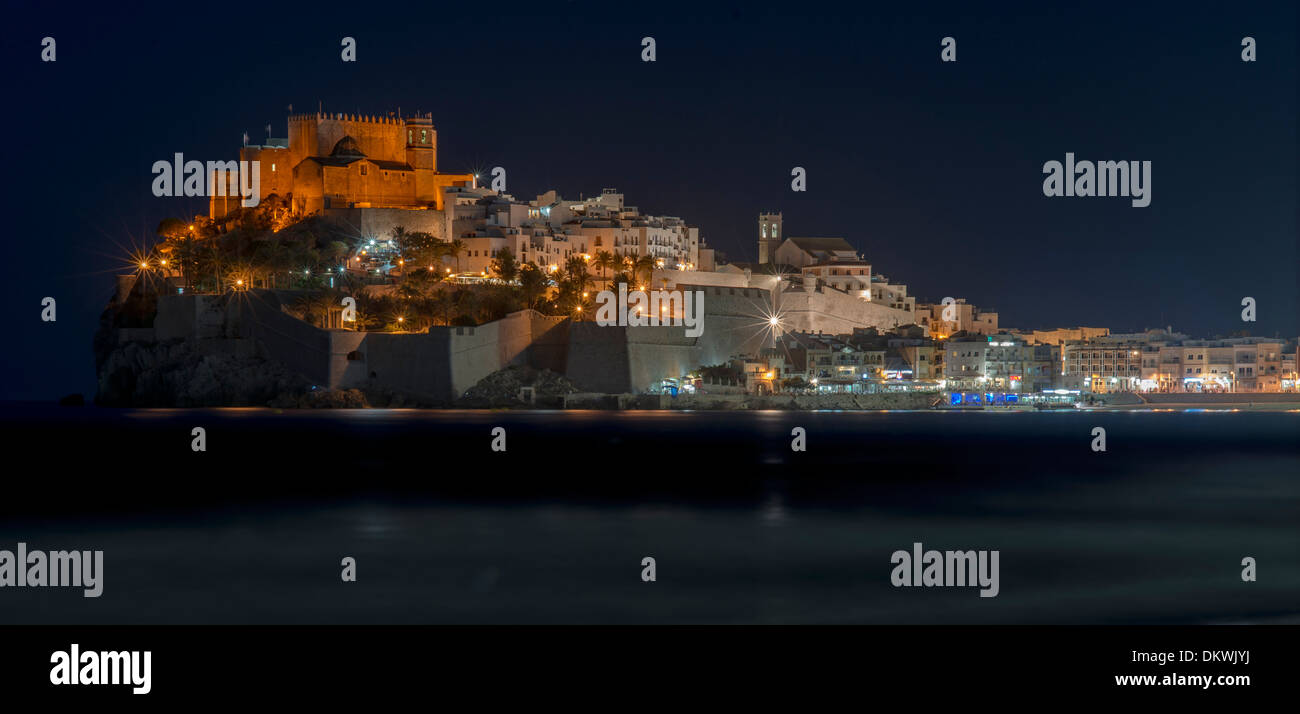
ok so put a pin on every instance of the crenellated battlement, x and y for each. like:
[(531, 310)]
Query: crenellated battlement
[(316, 117)]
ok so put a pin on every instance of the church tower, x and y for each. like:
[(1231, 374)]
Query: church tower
[(769, 236)]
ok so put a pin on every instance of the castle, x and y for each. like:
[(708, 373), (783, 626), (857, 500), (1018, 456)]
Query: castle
[(340, 161)]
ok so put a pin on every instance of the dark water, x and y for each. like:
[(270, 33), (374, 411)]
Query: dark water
[(444, 530)]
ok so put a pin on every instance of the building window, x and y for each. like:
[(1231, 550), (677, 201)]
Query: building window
[(363, 169)]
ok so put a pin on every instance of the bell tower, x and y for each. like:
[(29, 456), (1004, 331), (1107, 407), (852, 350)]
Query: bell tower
[(769, 237)]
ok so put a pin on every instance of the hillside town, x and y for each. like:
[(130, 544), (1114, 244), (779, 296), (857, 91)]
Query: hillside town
[(363, 267)]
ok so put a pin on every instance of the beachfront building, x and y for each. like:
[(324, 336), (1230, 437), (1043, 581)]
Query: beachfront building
[(865, 361), (1160, 361), (1001, 363)]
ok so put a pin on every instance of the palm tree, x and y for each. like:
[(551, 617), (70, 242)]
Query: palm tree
[(455, 248), (186, 254), (532, 285), (409, 290), (208, 261), (315, 307), (626, 264), (368, 312), (644, 264), (576, 268), (442, 302), (604, 261)]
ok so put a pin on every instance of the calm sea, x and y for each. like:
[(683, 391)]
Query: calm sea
[(742, 529)]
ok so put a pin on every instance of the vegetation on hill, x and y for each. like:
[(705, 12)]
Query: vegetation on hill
[(412, 288)]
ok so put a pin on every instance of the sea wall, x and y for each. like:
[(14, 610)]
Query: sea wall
[(439, 365), (299, 346)]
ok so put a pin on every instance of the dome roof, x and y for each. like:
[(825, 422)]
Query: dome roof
[(347, 146)]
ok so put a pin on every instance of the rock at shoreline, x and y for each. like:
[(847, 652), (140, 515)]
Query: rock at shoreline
[(503, 388), (322, 399), (181, 373)]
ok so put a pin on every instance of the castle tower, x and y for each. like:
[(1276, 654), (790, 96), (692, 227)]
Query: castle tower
[(421, 143), (770, 235)]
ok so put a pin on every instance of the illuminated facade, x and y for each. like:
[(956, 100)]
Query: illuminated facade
[(1165, 363), (334, 161)]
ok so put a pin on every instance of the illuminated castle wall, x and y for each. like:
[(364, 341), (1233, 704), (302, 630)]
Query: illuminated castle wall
[(333, 161)]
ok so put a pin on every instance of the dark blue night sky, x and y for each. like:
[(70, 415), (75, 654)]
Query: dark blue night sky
[(932, 170)]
